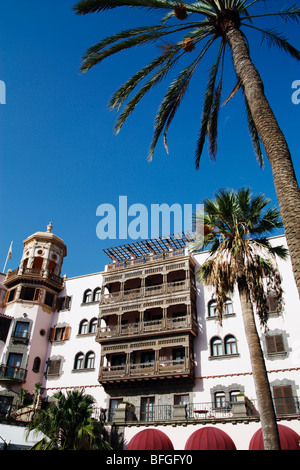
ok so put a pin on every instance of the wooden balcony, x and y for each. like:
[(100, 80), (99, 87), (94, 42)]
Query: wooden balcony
[(142, 292), (163, 369), (147, 328), (149, 258), (33, 273)]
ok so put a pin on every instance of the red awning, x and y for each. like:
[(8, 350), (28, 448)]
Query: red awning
[(209, 438), (150, 439), (289, 439)]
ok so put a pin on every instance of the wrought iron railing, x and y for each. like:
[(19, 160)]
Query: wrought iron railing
[(200, 411), (12, 373)]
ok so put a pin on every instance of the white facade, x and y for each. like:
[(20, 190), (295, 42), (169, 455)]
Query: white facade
[(63, 338)]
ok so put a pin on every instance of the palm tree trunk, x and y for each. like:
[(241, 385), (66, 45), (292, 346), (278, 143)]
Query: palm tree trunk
[(261, 382), (275, 145)]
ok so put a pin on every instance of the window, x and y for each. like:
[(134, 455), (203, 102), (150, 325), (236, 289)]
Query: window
[(93, 325), (113, 404), (216, 346), (147, 356), (233, 394), (36, 364), (49, 299), (5, 405), (11, 295), (272, 302), (59, 333), (79, 361), (54, 367), (87, 296), (213, 310), (83, 327), (63, 303), (178, 354), (181, 399), (12, 369), (21, 330), (220, 401), (147, 408), (97, 294), (284, 399), (90, 360), (118, 360), (230, 345), (275, 344)]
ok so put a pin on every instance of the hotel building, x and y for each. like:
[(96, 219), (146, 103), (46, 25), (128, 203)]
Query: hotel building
[(141, 336)]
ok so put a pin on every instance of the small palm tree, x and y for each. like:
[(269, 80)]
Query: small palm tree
[(67, 424), (235, 228), (195, 27)]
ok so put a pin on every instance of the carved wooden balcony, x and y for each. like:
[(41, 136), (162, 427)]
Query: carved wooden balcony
[(163, 369)]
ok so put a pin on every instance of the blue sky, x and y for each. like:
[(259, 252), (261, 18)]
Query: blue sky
[(59, 156)]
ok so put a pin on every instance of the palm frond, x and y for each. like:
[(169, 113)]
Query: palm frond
[(292, 13), (275, 38), (213, 122), (124, 91), (171, 102), (140, 40), (153, 81), (95, 6), (207, 106)]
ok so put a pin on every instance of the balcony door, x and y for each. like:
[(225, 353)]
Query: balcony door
[(147, 408), (13, 365)]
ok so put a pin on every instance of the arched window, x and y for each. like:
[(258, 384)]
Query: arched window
[(87, 296), (228, 307), (93, 325), (230, 345), (36, 364), (79, 361), (216, 346), (97, 294), (212, 308), (90, 360), (84, 327)]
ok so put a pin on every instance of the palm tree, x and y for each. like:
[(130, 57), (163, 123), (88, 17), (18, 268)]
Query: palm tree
[(235, 229), (68, 425), (195, 27)]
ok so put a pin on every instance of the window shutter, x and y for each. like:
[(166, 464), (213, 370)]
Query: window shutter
[(275, 344), (52, 334), (67, 302), (58, 303), (284, 400), (6, 297), (67, 332), (272, 303), (279, 343), (54, 367)]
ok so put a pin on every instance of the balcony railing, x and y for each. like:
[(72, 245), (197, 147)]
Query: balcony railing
[(160, 289), (198, 412), (145, 327), (12, 373), (145, 259), (33, 272), (147, 369)]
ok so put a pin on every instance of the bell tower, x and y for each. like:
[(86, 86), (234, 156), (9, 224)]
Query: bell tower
[(38, 277), (29, 303)]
